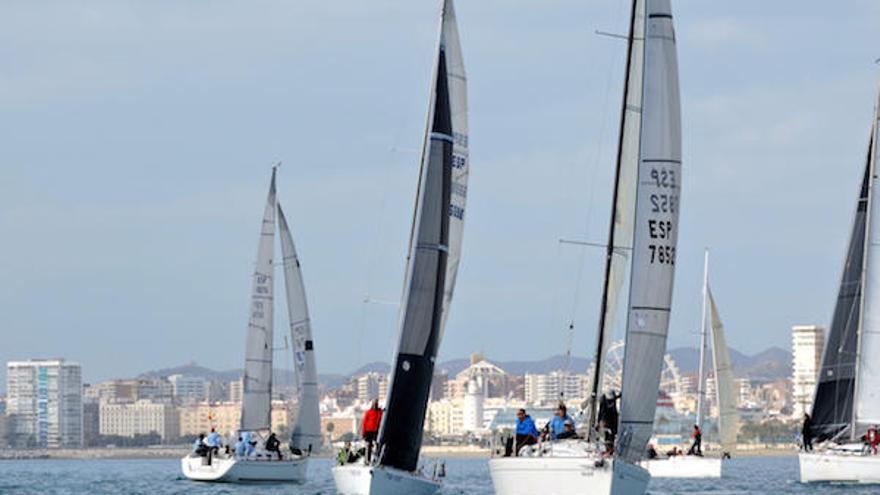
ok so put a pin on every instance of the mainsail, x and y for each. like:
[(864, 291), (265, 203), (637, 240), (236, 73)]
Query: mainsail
[(256, 404), (655, 233), (306, 433), (623, 208), (728, 414), (434, 252), (833, 402)]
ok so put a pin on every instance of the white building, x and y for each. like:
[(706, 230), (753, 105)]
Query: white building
[(188, 389), (236, 390), (808, 342), (372, 386), (473, 407), (44, 400), (552, 387), (139, 418)]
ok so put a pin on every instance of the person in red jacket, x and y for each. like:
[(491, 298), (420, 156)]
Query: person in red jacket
[(370, 427)]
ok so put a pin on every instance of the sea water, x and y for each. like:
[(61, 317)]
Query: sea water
[(749, 475)]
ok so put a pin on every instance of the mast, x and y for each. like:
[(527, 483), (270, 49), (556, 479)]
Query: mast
[(701, 383), (606, 319)]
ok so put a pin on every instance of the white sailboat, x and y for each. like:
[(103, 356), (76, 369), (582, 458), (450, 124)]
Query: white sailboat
[(728, 420), (643, 235), (847, 398), (432, 265), (256, 407)]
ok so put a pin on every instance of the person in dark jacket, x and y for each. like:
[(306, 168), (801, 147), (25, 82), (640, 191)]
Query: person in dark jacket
[(696, 447), (370, 427), (273, 445), (807, 433), (608, 419), (526, 431)]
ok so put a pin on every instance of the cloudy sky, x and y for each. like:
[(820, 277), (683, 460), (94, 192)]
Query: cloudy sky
[(137, 138)]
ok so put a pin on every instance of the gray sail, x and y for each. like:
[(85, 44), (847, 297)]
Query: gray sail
[(833, 401), (655, 235), (434, 254), (617, 256), (256, 404), (725, 386), (306, 431)]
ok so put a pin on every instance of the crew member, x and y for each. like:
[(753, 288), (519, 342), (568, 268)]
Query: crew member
[(370, 427), (697, 446), (526, 432)]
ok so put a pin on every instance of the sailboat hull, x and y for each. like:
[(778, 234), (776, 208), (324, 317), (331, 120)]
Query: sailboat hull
[(377, 480), (684, 467), (839, 467), (566, 476), (232, 470)]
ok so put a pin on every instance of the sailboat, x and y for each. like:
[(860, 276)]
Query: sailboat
[(643, 234), (256, 405), (432, 265), (725, 393), (847, 397)]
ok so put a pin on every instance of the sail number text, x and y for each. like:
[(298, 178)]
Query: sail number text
[(663, 207)]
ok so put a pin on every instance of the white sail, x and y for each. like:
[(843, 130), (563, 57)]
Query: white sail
[(306, 431), (256, 405), (655, 234), (728, 413), (867, 398), (627, 175)]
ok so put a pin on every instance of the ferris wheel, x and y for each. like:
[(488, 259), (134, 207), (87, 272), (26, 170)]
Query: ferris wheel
[(670, 377)]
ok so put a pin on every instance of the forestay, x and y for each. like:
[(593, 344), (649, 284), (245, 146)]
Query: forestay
[(867, 400), (306, 432), (434, 252), (257, 381), (728, 418), (655, 233)]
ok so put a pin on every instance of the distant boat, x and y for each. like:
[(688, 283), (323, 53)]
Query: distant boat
[(643, 235), (256, 406), (432, 265), (847, 397), (725, 393)]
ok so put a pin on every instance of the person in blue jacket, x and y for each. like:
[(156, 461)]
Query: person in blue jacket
[(557, 424), (526, 432)]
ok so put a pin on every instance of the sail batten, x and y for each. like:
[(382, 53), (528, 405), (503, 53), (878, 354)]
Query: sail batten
[(655, 233), (434, 253), (306, 430), (256, 405)]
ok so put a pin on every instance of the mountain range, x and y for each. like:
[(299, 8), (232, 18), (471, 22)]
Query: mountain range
[(771, 364)]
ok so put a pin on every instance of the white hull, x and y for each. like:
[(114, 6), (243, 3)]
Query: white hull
[(839, 467), (358, 479), (566, 476), (683, 467), (231, 470)]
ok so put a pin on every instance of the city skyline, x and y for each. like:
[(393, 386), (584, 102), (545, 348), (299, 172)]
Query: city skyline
[(130, 199)]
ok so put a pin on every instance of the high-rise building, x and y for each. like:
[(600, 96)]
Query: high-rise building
[(372, 386), (236, 390), (44, 398), (140, 418), (553, 387), (808, 342), (188, 389)]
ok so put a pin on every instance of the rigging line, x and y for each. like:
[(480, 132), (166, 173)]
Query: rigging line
[(603, 129)]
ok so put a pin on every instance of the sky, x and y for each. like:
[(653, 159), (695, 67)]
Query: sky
[(137, 139)]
